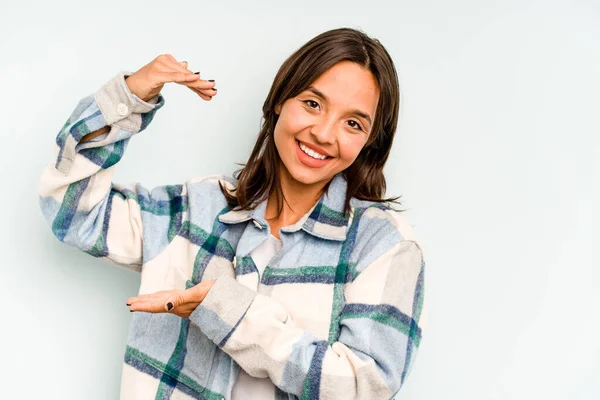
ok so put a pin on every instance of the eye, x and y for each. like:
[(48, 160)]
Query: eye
[(356, 124), (311, 103)]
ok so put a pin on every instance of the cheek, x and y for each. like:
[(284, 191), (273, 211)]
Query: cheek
[(293, 120), (350, 147), (288, 125)]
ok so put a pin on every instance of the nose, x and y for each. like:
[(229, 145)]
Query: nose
[(324, 131)]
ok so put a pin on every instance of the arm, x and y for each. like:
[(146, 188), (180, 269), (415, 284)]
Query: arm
[(379, 332), (78, 199), (105, 129)]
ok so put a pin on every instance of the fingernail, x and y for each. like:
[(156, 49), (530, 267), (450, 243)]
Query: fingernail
[(169, 306), (128, 304), (211, 80), (184, 61), (131, 310), (215, 89), (197, 72)]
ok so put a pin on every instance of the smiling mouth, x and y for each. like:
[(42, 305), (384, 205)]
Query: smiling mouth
[(311, 153)]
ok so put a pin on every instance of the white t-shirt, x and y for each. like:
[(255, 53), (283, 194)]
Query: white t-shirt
[(247, 387)]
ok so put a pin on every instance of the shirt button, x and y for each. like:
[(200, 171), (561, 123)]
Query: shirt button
[(257, 224), (122, 109)]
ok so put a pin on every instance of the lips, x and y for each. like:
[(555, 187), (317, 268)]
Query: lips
[(314, 148), (308, 160)]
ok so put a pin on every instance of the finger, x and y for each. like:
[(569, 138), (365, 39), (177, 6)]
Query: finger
[(178, 77), (169, 57), (184, 65), (160, 295), (207, 93), (181, 298), (176, 299), (198, 84), (210, 92), (201, 94), (169, 65), (179, 66), (173, 71), (147, 306), (201, 84), (132, 300), (146, 297), (176, 65)]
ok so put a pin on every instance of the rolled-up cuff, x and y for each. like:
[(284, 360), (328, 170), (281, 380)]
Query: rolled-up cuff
[(222, 309), (116, 101)]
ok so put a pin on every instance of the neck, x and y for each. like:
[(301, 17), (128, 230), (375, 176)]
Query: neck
[(299, 199)]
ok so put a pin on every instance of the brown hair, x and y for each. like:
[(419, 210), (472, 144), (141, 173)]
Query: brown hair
[(259, 177)]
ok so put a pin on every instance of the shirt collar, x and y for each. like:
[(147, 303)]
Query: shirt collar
[(325, 219)]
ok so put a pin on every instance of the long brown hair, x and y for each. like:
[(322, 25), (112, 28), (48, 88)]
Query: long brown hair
[(259, 177)]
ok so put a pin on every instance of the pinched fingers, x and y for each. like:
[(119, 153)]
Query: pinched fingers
[(206, 94), (178, 76), (166, 69), (204, 88)]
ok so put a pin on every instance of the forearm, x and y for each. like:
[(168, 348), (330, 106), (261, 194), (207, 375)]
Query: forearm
[(76, 193)]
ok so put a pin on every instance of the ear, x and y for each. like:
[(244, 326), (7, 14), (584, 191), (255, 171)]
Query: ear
[(278, 109)]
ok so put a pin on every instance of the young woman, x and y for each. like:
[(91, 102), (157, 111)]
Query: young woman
[(296, 278)]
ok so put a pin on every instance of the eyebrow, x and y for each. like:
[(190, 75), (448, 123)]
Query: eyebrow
[(355, 111)]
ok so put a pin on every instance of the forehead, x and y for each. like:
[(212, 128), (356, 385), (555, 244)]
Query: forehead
[(349, 85)]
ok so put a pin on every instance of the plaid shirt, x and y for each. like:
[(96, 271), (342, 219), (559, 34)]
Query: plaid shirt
[(336, 314)]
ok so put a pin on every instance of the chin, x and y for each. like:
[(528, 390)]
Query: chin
[(309, 177)]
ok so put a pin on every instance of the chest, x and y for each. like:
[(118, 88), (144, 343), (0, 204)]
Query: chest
[(298, 271), (301, 276), (304, 273)]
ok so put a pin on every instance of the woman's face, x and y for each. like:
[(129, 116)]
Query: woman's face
[(321, 131)]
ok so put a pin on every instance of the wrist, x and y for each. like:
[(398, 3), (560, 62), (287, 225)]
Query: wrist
[(130, 82)]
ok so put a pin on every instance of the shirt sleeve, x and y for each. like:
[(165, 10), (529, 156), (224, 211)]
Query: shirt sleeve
[(125, 224), (380, 332)]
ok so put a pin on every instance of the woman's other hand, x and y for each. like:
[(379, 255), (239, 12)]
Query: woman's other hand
[(179, 302), (149, 80)]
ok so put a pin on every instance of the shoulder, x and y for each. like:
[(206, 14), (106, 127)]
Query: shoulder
[(210, 184), (204, 200), (382, 227), (206, 190), (212, 180)]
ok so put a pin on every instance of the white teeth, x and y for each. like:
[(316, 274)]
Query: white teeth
[(312, 153)]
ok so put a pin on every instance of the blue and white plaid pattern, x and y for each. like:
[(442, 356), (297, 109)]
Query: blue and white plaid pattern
[(337, 313)]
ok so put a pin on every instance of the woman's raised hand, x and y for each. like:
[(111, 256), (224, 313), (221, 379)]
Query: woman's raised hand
[(149, 80)]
